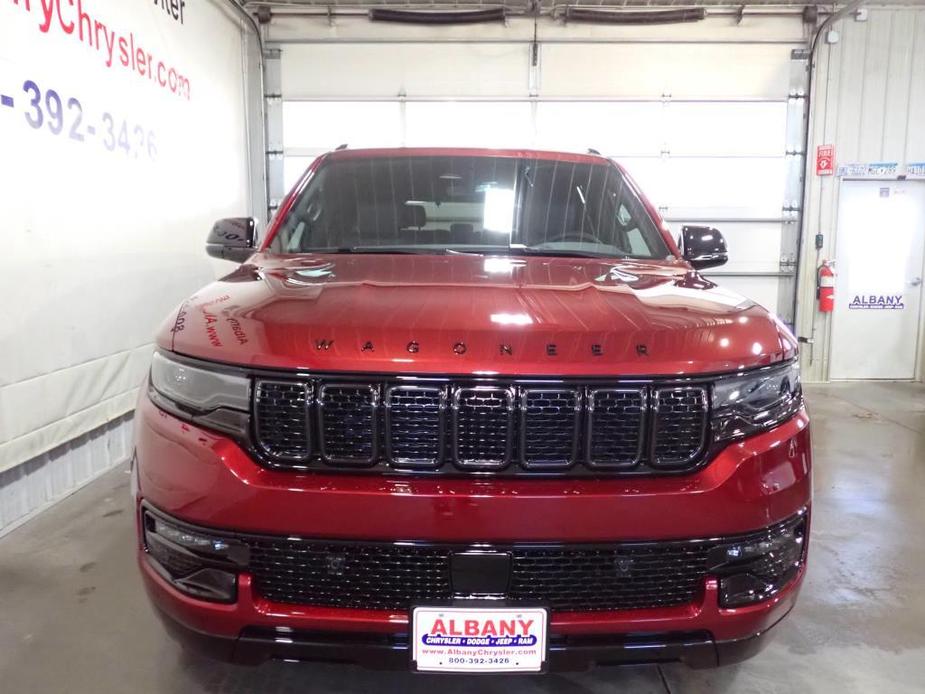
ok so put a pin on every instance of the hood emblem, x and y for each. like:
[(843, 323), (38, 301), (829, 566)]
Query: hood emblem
[(368, 347), (323, 345), (414, 347), (460, 348)]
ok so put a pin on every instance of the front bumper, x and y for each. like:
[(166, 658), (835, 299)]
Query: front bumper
[(253, 630), (392, 651), (207, 480)]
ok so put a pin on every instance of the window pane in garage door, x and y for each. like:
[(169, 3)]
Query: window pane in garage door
[(468, 124), (726, 182), (727, 128), (312, 127), (724, 187), (293, 168), (621, 129)]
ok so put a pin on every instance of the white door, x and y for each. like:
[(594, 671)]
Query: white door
[(878, 290)]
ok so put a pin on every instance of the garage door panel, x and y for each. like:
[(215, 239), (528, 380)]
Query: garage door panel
[(701, 126), (681, 70), (390, 70)]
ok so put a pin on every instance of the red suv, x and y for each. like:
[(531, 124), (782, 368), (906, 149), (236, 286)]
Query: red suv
[(471, 411)]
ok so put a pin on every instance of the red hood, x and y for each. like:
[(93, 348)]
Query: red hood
[(471, 314)]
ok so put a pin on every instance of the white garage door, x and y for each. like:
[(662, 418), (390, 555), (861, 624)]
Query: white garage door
[(702, 117)]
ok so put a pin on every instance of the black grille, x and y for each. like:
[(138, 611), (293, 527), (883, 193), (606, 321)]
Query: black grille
[(483, 427), (282, 418), (680, 424), (641, 576), (374, 576), (347, 417), (415, 425), (391, 576), (437, 425), (615, 427), (550, 427)]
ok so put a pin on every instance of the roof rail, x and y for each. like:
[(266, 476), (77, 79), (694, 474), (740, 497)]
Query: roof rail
[(591, 150), (340, 147)]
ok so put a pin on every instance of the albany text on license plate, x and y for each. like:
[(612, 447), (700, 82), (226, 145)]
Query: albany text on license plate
[(488, 639)]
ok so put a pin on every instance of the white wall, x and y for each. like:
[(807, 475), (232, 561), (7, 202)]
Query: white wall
[(103, 233), (869, 101), (698, 113)]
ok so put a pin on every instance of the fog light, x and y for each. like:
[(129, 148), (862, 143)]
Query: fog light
[(757, 567), (189, 539), (203, 565)]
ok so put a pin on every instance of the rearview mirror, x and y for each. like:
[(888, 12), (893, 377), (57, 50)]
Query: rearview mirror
[(233, 239), (703, 247)]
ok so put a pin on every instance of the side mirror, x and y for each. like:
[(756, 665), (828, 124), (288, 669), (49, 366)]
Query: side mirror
[(233, 238), (703, 247)]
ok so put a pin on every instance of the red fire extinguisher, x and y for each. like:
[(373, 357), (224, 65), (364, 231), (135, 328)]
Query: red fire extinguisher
[(825, 284)]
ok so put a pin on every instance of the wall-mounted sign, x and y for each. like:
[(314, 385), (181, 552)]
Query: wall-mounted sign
[(915, 169), (876, 169), (825, 160), (877, 301)]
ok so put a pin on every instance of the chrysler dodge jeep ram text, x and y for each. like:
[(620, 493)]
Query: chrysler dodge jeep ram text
[(471, 411)]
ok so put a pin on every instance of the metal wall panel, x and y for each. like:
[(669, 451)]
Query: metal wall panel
[(869, 101)]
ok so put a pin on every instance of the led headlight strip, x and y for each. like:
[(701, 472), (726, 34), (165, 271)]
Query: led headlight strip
[(754, 401), (214, 399)]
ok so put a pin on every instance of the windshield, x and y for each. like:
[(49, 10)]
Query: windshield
[(480, 204)]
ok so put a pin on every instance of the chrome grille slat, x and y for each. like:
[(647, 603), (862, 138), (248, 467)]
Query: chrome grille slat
[(504, 426)]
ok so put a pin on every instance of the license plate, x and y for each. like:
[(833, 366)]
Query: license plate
[(478, 639)]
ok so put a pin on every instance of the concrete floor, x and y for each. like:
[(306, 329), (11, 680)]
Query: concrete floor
[(73, 616)]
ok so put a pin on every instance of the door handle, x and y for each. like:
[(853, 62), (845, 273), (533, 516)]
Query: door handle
[(916, 281)]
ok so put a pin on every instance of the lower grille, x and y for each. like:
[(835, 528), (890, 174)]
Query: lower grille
[(348, 575), (396, 576)]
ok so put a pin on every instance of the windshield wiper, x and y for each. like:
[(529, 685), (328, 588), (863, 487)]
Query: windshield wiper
[(383, 250), (560, 253)]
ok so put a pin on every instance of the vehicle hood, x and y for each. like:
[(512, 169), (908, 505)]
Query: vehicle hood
[(475, 315)]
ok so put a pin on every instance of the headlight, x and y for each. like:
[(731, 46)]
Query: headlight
[(756, 567), (213, 398), (751, 402)]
